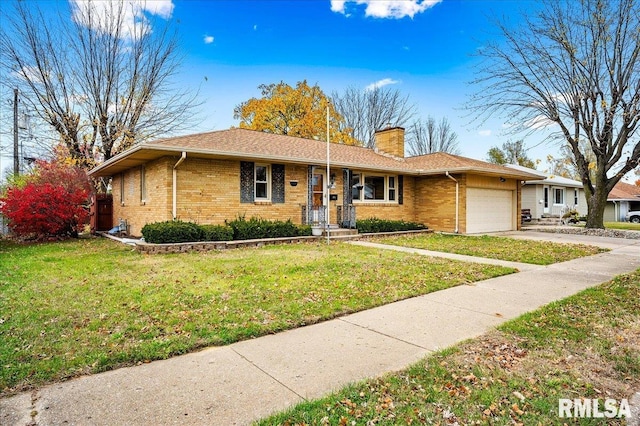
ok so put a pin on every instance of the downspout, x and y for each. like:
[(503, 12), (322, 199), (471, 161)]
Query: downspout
[(175, 181), (457, 199)]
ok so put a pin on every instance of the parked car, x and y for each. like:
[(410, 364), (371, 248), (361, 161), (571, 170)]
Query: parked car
[(633, 216)]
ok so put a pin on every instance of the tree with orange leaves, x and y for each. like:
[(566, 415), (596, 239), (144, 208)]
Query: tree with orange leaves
[(299, 111)]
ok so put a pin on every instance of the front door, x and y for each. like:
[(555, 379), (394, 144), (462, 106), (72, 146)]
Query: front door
[(546, 199), (318, 189)]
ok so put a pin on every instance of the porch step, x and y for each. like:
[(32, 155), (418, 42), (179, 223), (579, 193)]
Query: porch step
[(547, 221), (339, 232)]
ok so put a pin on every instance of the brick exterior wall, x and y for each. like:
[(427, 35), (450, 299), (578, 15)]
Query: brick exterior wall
[(436, 202), (209, 193)]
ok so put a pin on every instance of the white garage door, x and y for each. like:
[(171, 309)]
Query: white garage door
[(489, 210)]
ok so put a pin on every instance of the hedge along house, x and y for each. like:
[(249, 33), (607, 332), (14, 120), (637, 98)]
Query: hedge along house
[(212, 177)]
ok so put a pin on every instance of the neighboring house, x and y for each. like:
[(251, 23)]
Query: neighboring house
[(551, 196), (623, 198), (217, 176)]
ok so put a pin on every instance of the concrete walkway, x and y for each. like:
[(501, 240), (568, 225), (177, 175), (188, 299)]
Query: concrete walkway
[(246, 381)]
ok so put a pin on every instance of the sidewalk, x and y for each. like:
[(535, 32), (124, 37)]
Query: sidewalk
[(246, 381)]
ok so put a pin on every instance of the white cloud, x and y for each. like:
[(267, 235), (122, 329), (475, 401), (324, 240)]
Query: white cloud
[(135, 20), (386, 8), (208, 39), (381, 83), (485, 132), (337, 6)]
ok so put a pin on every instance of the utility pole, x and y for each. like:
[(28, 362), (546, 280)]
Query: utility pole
[(16, 153)]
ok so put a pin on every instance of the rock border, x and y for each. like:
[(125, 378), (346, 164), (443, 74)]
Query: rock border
[(204, 246)]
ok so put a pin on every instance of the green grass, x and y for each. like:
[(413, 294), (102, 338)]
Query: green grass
[(587, 346), (86, 306), (622, 225), (514, 250)]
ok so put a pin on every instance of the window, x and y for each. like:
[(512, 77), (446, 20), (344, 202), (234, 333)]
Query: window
[(558, 196), (392, 188), (143, 184), (575, 197), (374, 188), (356, 187), (261, 182)]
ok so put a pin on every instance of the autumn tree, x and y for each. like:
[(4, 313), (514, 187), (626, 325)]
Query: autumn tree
[(574, 66), (510, 153), (299, 111), (102, 77), (426, 136), (370, 109), (48, 202)]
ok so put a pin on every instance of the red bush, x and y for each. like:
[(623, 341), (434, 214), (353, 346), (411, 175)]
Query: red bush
[(49, 204)]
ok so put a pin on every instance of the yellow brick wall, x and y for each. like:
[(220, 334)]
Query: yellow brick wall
[(157, 205), (209, 193), (436, 202)]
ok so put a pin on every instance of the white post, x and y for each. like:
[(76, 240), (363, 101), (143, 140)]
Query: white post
[(328, 182)]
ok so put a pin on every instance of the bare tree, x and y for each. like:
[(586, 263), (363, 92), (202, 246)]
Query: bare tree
[(575, 68), (425, 136), (368, 110), (101, 79)]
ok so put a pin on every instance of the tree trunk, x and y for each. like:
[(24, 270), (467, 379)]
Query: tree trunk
[(597, 203)]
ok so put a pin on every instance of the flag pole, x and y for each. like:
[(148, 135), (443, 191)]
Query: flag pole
[(328, 182)]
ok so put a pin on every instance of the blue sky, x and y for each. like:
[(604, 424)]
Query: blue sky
[(423, 49), (429, 56)]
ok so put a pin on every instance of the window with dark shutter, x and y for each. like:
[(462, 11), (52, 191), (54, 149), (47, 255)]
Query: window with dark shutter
[(246, 182), (400, 189)]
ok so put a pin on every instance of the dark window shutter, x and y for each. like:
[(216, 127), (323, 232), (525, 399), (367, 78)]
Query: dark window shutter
[(400, 189), (246, 182), (277, 183)]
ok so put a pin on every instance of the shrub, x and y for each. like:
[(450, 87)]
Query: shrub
[(254, 228), (216, 233), (49, 202), (374, 225), (304, 230), (172, 231), (44, 210)]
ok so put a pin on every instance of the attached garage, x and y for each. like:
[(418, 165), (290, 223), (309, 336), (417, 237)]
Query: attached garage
[(490, 210)]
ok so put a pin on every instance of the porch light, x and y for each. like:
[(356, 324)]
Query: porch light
[(293, 182), (502, 179)]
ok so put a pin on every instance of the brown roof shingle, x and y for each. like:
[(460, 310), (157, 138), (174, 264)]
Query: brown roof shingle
[(251, 144), (624, 191)]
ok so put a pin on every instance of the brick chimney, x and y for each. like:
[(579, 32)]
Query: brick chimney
[(390, 141)]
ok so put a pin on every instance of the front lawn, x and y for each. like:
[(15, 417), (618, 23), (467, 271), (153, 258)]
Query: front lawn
[(622, 225), (585, 346), (86, 306), (514, 250)]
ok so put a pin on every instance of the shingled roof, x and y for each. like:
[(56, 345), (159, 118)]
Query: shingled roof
[(260, 146), (624, 192)]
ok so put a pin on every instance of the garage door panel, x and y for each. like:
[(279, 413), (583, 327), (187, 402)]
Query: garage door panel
[(489, 210)]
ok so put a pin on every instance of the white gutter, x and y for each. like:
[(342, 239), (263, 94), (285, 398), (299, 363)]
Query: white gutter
[(457, 199), (175, 182)]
